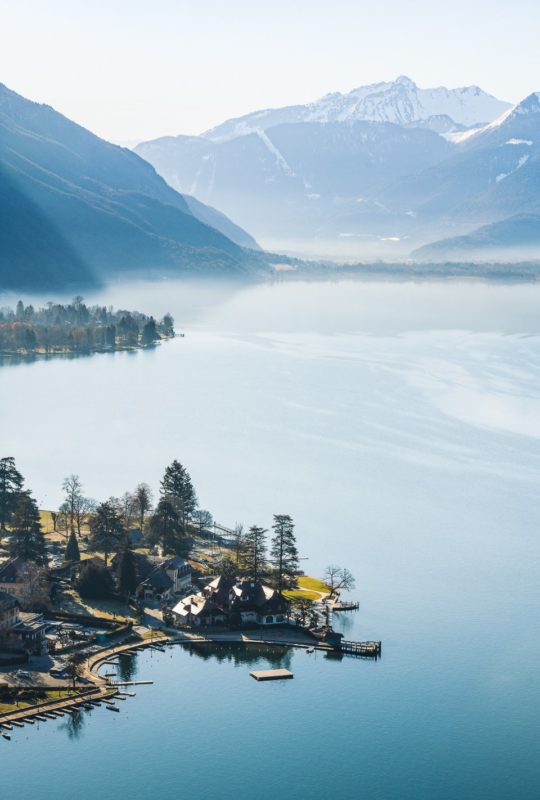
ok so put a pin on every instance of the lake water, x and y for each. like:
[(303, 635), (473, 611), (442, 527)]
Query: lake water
[(399, 424)]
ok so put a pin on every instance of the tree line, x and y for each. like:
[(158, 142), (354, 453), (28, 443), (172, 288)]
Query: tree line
[(167, 525), (76, 327)]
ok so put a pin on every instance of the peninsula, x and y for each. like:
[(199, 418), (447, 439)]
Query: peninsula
[(76, 328)]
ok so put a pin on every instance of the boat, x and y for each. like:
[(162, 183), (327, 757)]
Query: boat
[(6, 736), (113, 708), (310, 650)]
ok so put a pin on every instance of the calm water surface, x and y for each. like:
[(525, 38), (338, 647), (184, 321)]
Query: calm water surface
[(399, 423)]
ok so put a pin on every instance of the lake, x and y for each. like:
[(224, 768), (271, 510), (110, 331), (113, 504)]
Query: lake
[(399, 424)]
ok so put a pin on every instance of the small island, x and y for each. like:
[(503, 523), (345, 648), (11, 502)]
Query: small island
[(76, 328)]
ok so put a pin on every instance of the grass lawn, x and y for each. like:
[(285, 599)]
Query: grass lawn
[(298, 594), (73, 603), (316, 585)]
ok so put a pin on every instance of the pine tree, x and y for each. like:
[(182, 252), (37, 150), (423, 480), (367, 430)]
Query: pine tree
[(72, 548), (27, 540), (11, 483), (95, 581), (254, 560), (149, 332), (107, 528), (177, 487), (166, 529), (127, 572), (283, 551)]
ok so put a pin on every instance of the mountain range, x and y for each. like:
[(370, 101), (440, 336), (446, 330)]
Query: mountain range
[(76, 209), (380, 171)]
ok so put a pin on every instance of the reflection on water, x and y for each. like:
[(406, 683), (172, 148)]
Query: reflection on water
[(127, 667), (74, 725), (242, 653)]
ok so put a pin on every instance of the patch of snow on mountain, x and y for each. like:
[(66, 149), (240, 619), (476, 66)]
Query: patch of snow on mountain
[(401, 102), (522, 161)]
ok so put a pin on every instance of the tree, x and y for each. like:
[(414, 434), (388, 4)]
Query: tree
[(72, 487), (283, 551), (75, 668), (338, 578), (72, 552), (149, 332), (127, 572), (178, 488), (165, 529), (127, 503), (27, 540), (84, 507), (95, 582), (107, 527), (239, 544), (166, 325), (227, 568), (142, 502), (254, 560), (11, 483), (303, 607), (204, 519)]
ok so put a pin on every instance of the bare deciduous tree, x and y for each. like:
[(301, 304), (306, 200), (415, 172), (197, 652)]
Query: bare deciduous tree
[(338, 578)]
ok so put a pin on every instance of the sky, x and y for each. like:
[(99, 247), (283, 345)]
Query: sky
[(133, 69)]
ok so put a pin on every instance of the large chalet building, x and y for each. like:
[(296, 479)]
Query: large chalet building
[(228, 601)]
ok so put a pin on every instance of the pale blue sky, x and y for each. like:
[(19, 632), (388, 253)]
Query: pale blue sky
[(129, 69)]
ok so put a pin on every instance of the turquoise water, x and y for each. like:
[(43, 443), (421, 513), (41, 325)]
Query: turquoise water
[(400, 425)]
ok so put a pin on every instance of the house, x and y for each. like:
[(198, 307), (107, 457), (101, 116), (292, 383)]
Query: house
[(13, 578), (252, 601), (235, 602), (9, 613), (25, 580), (170, 578), (27, 630)]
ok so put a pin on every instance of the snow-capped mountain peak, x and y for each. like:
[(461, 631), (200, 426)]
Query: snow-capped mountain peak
[(400, 101)]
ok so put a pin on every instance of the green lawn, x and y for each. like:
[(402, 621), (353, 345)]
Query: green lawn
[(316, 585), (298, 594)]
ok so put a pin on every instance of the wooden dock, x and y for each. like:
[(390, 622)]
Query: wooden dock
[(345, 606), (360, 649), (271, 674)]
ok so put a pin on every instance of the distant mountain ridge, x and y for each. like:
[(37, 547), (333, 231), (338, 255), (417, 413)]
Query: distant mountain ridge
[(378, 171), (76, 208), (401, 102)]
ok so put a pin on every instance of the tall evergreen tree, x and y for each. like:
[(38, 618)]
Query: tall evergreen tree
[(166, 529), (254, 559), (149, 332), (127, 572), (27, 540), (72, 552), (107, 528), (177, 487), (283, 551), (11, 483)]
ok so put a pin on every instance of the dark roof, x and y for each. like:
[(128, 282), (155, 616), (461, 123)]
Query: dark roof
[(10, 571), (245, 595), (7, 600), (158, 580)]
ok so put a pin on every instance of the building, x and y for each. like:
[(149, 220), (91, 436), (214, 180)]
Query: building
[(9, 613), (167, 580), (26, 581), (20, 629), (238, 603)]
